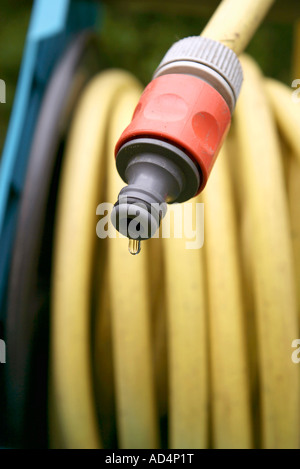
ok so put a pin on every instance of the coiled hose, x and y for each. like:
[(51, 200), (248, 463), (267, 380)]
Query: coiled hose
[(181, 348), (201, 338)]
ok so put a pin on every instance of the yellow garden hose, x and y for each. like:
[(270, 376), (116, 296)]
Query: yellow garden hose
[(72, 400), (234, 22), (286, 111), (230, 395), (187, 338), (273, 281), (128, 289), (294, 206), (157, 290), (287, 114), (198, 338), (210, 396), (102, 360), (242, 230)]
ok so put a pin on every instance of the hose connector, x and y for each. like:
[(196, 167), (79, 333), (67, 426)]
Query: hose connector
[(166, 153), (208, 60)]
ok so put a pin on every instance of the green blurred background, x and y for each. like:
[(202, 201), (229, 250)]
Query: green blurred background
[(136, 40)]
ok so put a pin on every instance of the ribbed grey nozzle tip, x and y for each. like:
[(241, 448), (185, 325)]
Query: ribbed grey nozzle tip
[(136, 219), (157, 173)]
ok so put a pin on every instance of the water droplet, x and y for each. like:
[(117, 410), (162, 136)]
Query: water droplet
[(134, 246)]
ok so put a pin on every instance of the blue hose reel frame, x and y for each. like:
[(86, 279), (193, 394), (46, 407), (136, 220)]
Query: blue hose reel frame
[(53, 25)]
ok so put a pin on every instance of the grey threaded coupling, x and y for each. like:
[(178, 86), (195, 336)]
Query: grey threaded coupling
[(209, 60)]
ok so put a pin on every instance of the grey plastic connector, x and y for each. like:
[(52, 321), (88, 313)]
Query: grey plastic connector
[(209, 60), (157, 173)]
